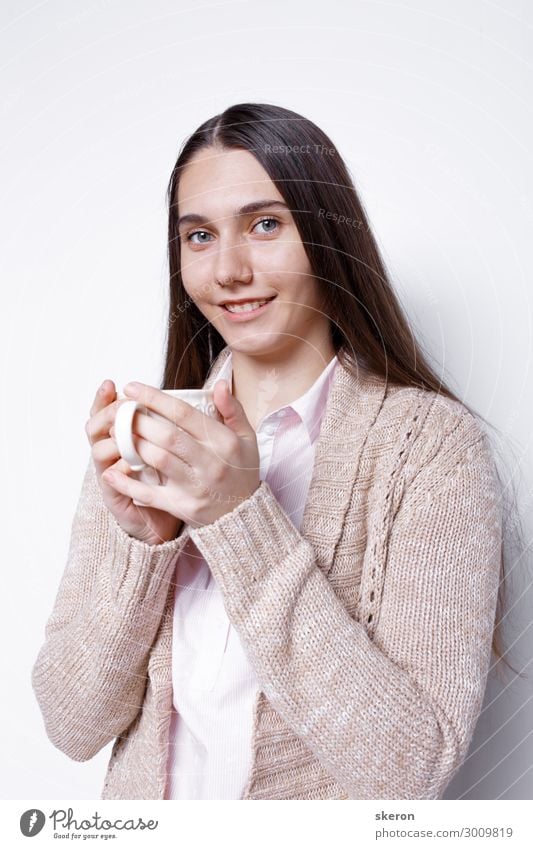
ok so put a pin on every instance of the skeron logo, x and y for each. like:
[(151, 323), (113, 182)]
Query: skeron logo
[(31, 822)]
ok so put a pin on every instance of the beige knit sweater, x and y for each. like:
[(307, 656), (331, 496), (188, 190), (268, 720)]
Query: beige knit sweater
[(369, 629)]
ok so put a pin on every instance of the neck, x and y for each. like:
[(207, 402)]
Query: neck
[(265, 382)]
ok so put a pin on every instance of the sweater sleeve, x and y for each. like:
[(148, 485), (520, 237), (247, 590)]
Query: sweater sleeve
[(389, 716), (91, 672)]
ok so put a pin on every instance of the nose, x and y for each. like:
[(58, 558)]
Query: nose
[(232, 263)]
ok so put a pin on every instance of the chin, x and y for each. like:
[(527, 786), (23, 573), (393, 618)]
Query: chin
[(257, 344)]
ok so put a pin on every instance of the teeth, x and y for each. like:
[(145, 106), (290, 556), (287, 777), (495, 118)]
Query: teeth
[(251, 305)]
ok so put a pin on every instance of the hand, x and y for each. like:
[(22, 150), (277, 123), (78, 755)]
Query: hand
[(206, 467), (146, 524)]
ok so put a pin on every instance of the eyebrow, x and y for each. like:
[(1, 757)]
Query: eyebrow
[(247, 209)]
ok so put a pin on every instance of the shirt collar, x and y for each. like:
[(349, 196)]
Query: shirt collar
[(310, 406)]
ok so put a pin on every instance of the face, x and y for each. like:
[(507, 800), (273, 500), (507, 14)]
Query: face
[(235, 229)]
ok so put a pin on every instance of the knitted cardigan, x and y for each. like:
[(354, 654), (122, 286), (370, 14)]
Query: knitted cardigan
[(369, 629)]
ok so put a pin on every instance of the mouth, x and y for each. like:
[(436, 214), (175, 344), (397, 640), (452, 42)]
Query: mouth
[(246, 310)]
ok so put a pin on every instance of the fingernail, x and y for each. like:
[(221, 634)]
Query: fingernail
[(133, 388), (103, 387)]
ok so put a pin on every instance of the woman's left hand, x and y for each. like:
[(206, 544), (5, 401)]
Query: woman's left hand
[(206, 467)]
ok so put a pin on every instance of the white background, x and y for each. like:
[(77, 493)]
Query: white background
[(429, 102)]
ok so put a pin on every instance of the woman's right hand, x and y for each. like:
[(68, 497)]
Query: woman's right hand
[(145, 523)]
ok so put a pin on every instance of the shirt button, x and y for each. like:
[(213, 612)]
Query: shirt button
[(270, 429), (282, 413)]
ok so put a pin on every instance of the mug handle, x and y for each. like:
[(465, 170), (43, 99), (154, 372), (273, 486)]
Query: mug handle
[(123, 423)]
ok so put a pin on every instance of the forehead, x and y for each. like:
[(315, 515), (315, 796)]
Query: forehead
[(216, 178)]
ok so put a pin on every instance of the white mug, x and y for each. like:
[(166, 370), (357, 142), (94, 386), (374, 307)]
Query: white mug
[(201, 399)]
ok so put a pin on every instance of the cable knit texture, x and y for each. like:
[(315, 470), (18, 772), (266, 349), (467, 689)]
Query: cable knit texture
[(369, 629)]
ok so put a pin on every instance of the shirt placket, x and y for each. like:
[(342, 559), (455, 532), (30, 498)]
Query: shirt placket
[(266, 438), (214, 639)]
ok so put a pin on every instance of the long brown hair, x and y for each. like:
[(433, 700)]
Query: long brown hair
[(367, 321)]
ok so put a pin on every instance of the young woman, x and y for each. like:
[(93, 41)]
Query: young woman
[(305, 606)]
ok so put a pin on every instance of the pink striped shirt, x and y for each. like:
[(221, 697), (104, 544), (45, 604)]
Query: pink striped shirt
[(213, 683)]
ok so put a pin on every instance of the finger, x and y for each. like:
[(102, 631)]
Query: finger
[(105, 394), (122, 465), (163, 461), (106, 456), (197, 424), (175, 440), (98, 426), (105, 452), (143, 493)]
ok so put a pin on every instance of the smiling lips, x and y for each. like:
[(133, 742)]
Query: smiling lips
[(246, 309)]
